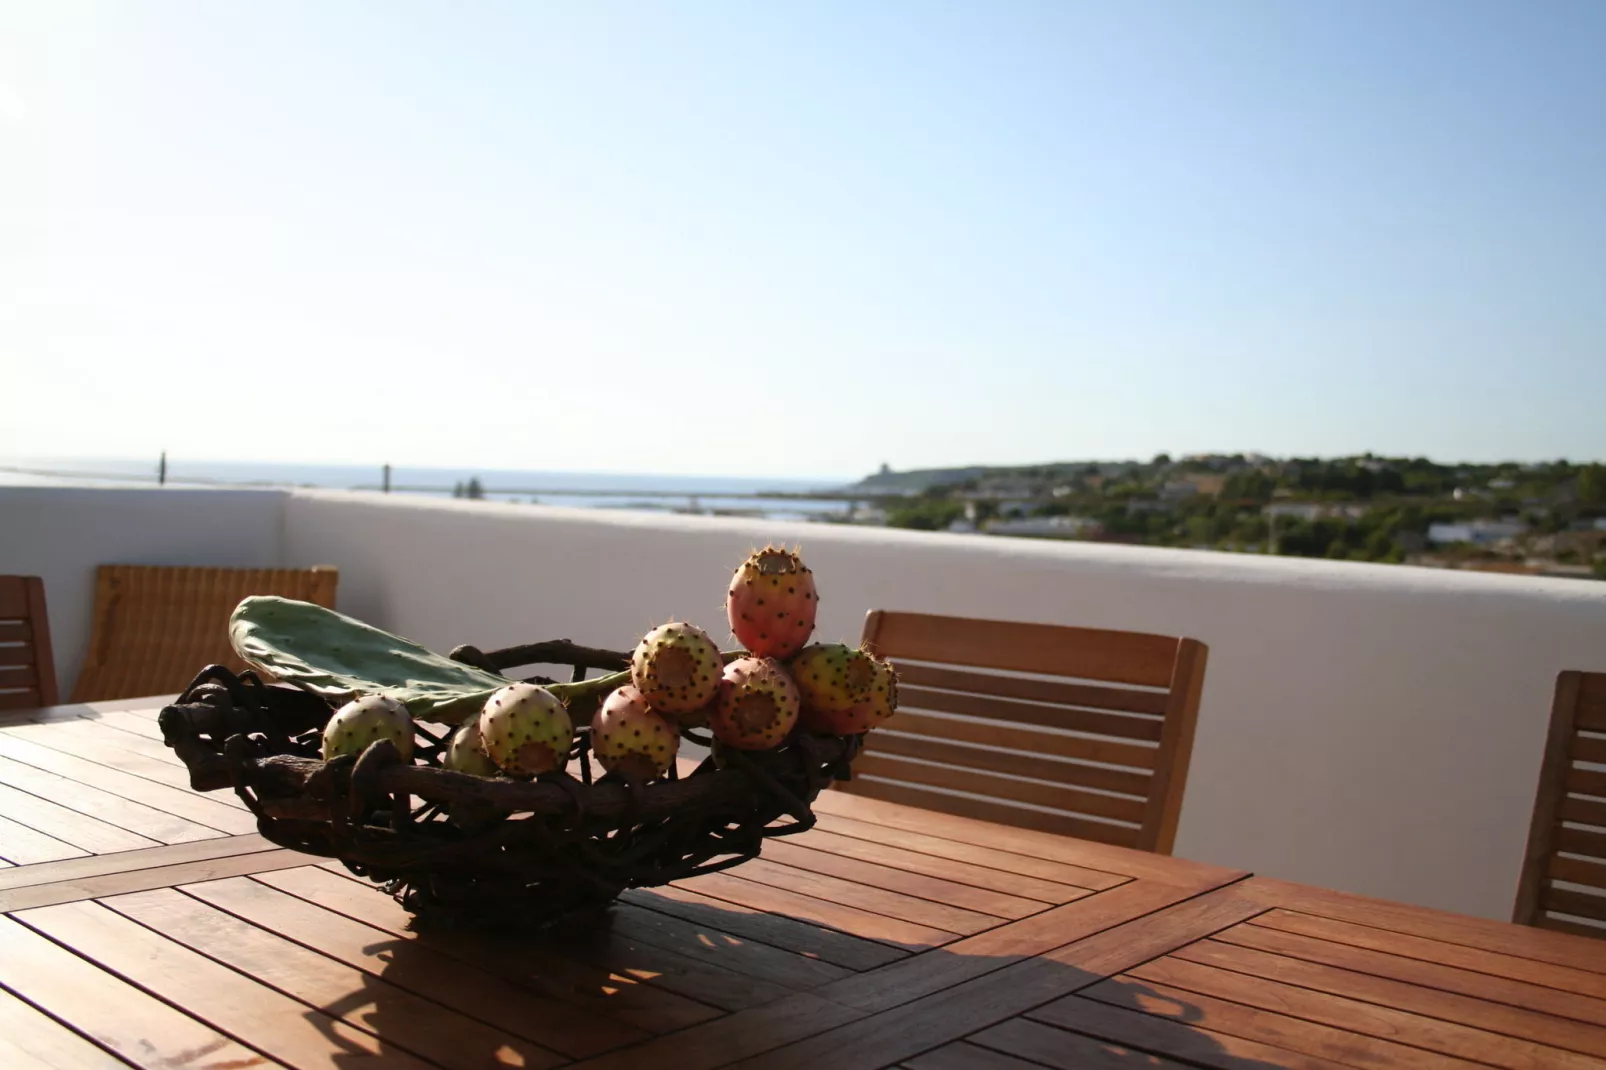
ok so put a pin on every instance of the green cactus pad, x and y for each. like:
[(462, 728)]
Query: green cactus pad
[(339, 658)]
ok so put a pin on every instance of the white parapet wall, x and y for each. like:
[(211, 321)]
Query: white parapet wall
[(1376, 729), (63, 533)]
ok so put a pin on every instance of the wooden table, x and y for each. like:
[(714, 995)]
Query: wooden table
[(146, 924)]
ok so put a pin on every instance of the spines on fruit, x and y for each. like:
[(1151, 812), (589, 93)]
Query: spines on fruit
[(363, 721), (676, 667), (525, 730), (757, 705), (771, 603), (630, 739)]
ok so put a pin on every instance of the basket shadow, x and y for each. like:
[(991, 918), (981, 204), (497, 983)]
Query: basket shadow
[(478, 999)]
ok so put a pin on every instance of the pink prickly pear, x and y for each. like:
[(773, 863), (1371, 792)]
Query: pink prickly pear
[(525, 730), (771, 603), (876, 706), (757, 705), (630, 739), (676, 668)]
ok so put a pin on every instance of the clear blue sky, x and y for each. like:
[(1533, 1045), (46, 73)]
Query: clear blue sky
[(803, 239)]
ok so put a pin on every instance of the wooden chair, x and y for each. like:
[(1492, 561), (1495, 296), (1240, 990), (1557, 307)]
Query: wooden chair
[(1011, 752), (27, 667), (156, 627), (1571, 796)]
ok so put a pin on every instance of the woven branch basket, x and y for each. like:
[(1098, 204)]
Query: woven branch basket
[(459, 849)]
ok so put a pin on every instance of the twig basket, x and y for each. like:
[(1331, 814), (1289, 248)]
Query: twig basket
[(457, 848)]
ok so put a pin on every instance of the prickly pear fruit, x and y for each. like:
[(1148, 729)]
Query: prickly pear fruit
[(364, 720), (676, 668), (771, 603), (525, 730), (630, 739), (833, 677), (465, 753), (756, 706), (875, 707)]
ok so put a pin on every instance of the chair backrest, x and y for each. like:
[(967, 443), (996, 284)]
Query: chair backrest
[(155, 627), (1567, 837), (1020, 724), (27, 667)]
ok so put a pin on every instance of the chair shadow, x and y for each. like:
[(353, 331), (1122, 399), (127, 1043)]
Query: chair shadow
[(557, 998)]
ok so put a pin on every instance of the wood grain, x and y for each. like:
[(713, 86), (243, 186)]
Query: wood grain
[(23, 846), (1420, 997), (524, 961), (363, 1000), (1008, 864), (29, 1040), (119, 1017), (230, 1002), (139, 880), (1165, 1036), (1359, 1016), (82, 866), (1274, 1028), (1085, 653)]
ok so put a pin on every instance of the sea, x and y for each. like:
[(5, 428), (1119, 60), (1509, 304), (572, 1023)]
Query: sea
[(828, 499)]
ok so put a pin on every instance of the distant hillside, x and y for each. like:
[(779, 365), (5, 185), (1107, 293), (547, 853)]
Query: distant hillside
[(918, 479)]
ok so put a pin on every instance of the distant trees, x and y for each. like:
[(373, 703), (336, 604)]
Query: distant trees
[(471, 489), (1592, 484)]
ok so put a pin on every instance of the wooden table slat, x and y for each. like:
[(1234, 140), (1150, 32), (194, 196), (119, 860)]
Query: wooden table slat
[(1004, 863), (1426, 949), (1359, 1016), (549, 973), (771, 897), (80, 867), (864, 895), (1048, 1046), (962, 1055), (957, 1011), (1269, 1026), (133, 816), (968, 874), (68, 825), (121, 1018), (393, 1015), (409, 965), (790, 933), (228, 1001), (1414, 973), (134, 776), (22, 846), (1429, 1001), (30, 1040), (996, 906), (750, 958), (168, 791), (1191, 1043)]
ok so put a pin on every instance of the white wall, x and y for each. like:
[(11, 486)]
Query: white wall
[(1371, 728), (63, 533), (1366, 727)]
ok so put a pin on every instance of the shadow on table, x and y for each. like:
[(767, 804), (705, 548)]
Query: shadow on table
[(580, 994)]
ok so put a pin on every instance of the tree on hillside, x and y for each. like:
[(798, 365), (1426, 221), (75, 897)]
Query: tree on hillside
[(1592, 484)]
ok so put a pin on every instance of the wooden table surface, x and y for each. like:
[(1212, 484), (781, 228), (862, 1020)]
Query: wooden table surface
[(145, 924)]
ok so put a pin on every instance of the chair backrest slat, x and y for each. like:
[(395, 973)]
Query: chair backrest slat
[(155, 627), (1080, 731), (27, 664), (1567, 834)]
